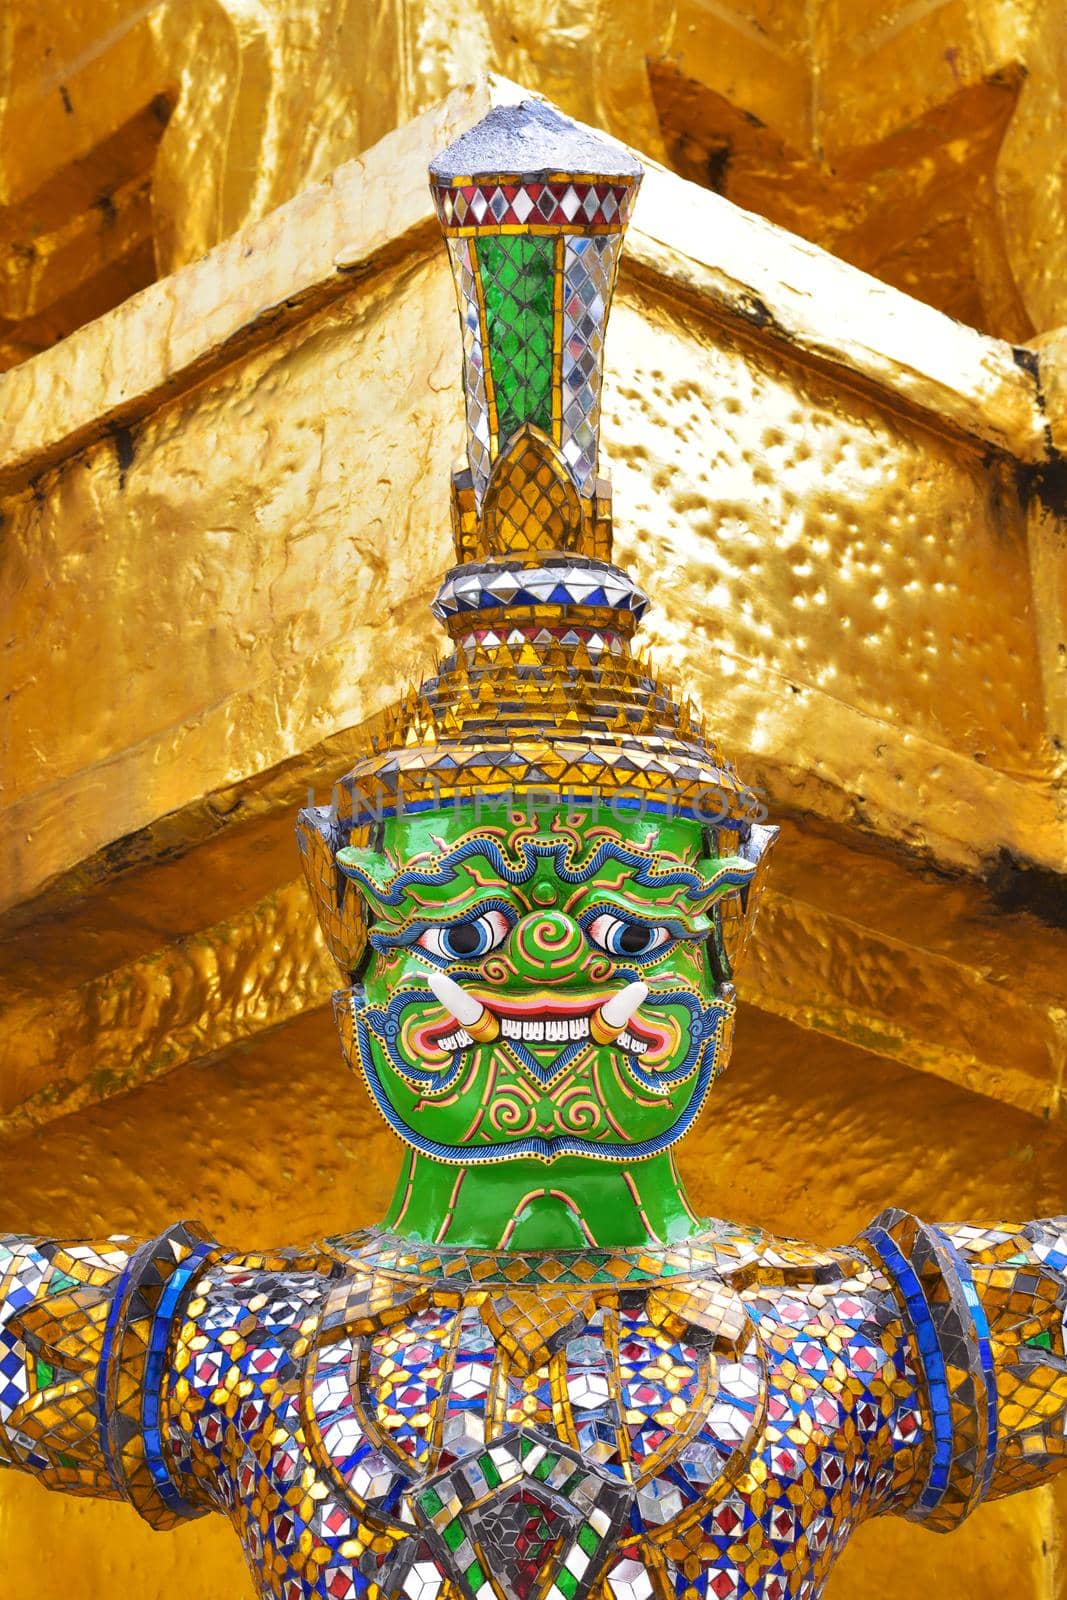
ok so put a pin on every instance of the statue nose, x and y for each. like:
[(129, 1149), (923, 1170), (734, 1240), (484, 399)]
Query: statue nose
[(551, 945)]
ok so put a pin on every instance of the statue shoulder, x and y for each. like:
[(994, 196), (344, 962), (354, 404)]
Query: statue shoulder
[(251, 1300), (245, 1352), (751, 1258), (821, 1308), (840, 1367)]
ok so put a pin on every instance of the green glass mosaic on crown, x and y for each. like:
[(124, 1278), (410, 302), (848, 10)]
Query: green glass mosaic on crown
[(534, 248), (517, 282)]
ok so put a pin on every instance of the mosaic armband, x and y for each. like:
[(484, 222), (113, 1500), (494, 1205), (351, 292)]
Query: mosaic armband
[(85, 1331), (986, 1307), (949, 1326)]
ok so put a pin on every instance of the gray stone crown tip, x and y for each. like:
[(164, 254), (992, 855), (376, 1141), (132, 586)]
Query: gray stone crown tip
[(532, 139)]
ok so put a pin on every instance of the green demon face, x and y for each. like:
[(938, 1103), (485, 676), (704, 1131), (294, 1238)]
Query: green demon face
[(540, 985)]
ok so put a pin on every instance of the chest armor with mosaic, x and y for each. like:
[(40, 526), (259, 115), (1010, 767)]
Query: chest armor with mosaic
[(518, 1425)]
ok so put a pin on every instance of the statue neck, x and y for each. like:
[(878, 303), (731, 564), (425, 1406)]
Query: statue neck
[(524, 1205)]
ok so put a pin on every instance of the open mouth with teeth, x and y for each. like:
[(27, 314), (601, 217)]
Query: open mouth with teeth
[(543, 1021), (544, 1030)]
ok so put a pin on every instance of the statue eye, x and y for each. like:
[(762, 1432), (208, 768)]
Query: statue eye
[(620, 937), (465, 941)]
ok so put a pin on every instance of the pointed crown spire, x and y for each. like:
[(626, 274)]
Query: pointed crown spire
[(533, 209)]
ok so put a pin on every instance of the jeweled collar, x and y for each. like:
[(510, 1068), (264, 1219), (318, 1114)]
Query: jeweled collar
[(723, 1250)]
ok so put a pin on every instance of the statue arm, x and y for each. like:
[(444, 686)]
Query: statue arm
[(985, 1308), (85, 1330)]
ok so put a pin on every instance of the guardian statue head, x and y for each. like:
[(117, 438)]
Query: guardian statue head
[(544, 873)]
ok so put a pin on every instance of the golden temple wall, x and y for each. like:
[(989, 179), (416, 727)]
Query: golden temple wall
[(224, 514), (922, 142)]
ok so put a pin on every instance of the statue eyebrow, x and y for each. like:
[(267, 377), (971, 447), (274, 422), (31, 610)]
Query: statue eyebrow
[(621, 887), (475, 891), (392, 891)]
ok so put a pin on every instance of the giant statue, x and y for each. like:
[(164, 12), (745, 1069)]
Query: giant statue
[(543, 1377)]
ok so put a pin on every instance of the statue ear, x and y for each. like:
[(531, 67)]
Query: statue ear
[(321, 835), (367, 869), (721, 873), (739, 892)]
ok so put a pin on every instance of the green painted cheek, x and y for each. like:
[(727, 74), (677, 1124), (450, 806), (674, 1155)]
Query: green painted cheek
[(386, 974)]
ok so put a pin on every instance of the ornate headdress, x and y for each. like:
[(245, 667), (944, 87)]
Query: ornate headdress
[(541, 693)]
